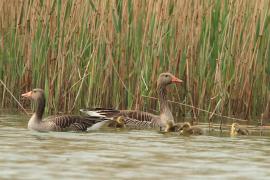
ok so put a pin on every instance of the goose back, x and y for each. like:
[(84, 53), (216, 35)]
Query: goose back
[(131, 119), (65, 123), (109, 112), (72, 122)]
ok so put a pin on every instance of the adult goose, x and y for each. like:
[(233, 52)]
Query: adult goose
[(55, 123), (237, 130), (143, 120)]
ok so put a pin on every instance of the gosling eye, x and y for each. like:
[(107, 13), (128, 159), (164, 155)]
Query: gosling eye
[(166, 75), (34, 91)]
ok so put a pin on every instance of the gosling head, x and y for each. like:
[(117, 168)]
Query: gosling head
[(235, 127), (186, 125), (165, 79), (120, 120), (35, 94)]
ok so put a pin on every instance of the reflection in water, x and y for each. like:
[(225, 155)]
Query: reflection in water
[(116, 154)]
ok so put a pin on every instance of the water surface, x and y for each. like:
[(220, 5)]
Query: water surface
[(133, 154)]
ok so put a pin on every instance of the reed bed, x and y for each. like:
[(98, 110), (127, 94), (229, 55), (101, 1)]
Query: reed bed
[(87, 53)]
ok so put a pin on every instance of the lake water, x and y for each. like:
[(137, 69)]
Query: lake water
[(115, 154)]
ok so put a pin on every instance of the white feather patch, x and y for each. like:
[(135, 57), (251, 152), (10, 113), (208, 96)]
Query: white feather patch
[(99, 125), (91, 113)]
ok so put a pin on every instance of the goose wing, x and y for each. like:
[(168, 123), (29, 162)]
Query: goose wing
[(72, 122), (139, 124), (133, 114)]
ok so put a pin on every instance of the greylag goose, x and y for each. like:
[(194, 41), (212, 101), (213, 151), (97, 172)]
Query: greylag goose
[(131, 119), (237, 130), (56, 123), (142, 120), (187, 129), (109, 112)]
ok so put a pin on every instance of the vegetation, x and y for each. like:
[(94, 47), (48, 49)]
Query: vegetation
[(87, 53)]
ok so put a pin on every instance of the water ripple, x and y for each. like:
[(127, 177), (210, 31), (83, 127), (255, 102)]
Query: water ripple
[(114, 154)]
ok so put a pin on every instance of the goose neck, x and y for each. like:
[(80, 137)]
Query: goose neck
[(40, 107), (164, 106)]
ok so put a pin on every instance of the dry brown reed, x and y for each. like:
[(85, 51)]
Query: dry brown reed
[(109, 53)]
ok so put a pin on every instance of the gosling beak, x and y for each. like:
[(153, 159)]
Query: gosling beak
[(27, 95), (176, 80)]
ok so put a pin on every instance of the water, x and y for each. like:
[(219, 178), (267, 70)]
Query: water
[(133, 154)]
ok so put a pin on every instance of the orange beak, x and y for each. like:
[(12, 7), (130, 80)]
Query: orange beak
[(27, 95), (176, 80)]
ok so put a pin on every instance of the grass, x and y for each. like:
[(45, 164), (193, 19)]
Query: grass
[(89, 53)]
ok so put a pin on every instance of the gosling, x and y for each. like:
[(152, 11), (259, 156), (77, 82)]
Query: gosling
[(237, 130), (120, 122), (187, 129)]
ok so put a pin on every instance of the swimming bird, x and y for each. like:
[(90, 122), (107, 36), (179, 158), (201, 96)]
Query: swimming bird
[(56, 123), (237, 130), (187, 129), (143, 120)]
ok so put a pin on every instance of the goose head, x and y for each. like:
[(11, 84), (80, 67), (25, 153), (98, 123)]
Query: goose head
[(165, 79), (35, 94)]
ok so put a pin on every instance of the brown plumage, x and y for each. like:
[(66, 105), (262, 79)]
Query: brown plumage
[(130, 123), (56, 123), (108, 112), (130, 119), (144, 120), (187, 129)]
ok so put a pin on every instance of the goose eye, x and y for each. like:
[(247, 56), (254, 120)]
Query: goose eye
[(34, 91), (166, 75)]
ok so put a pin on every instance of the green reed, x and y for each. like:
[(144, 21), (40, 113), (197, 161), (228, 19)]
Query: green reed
[(109, 53)]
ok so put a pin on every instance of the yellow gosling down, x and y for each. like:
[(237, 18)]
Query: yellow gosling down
[(237, 130), (120, 122), (187, 130)]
